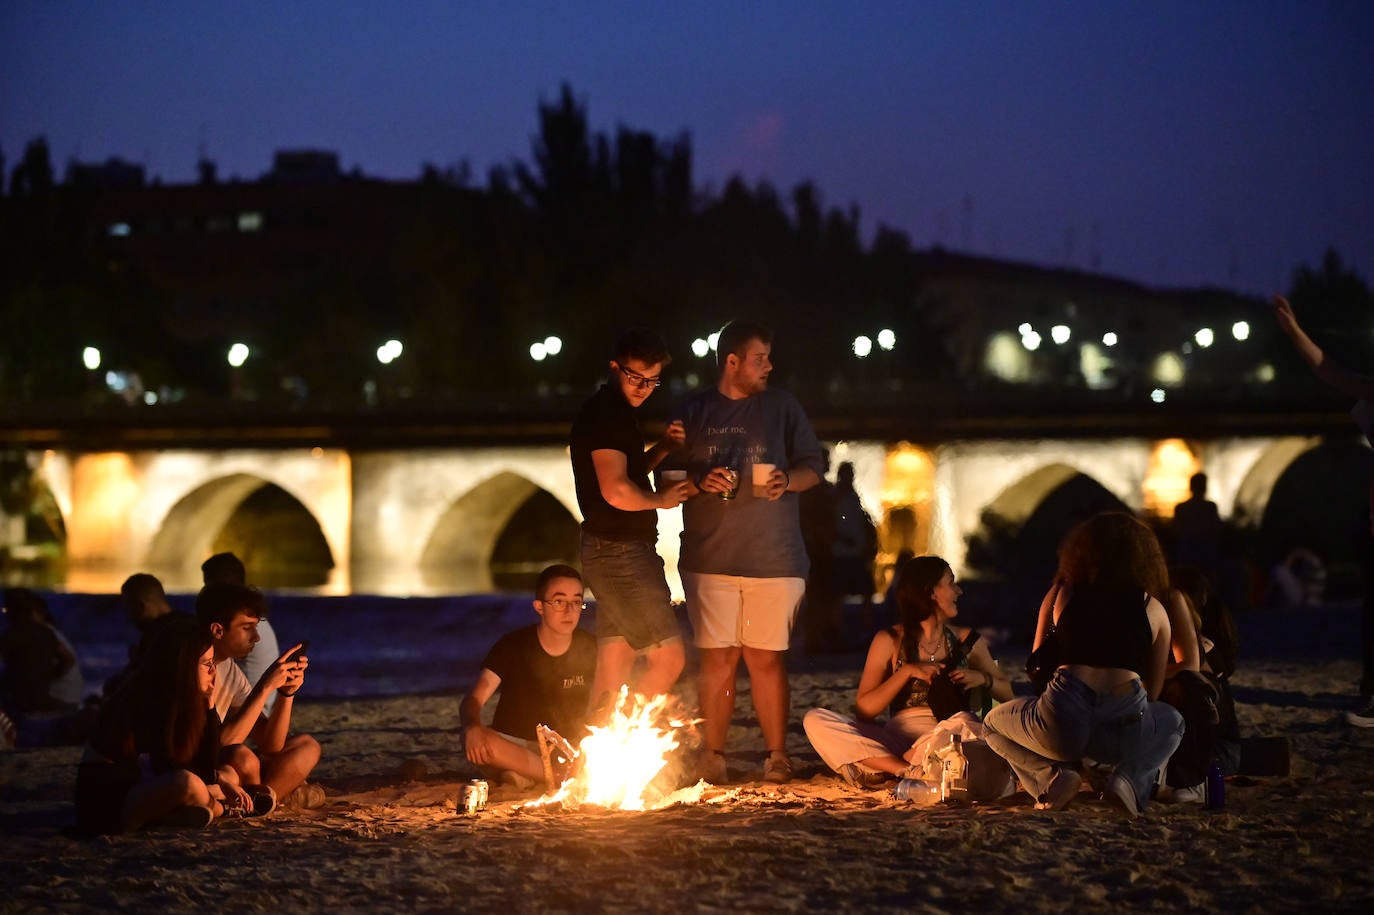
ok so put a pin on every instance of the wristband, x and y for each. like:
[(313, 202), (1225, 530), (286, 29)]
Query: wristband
[(282, 692), (787, 480)]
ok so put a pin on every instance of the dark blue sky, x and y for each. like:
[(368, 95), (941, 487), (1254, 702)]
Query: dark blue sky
[(1185, 143)]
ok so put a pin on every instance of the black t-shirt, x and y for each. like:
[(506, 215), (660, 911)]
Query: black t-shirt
[(538, 688), (1105, 627), (607, 422)]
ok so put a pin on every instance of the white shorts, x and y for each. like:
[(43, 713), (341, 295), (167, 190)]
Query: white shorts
[(730, 610)]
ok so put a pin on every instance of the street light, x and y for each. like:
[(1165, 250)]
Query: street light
[(389, 352), (862, 346), (238, 354), (1030, 340), (553, 345), (538, 351), (700, 348), (1060, 334), (90, 357), (1109, 339), (1241, 330), (886, 339), (1204, 337)]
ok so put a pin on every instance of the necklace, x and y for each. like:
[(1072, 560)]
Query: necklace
[(931, 651)]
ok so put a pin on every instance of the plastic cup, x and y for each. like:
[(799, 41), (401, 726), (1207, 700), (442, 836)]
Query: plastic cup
[(673, 476), (761, 474)]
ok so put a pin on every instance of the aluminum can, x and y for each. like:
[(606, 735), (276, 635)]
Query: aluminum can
[(469, 799), (483, 790), (733, 476)]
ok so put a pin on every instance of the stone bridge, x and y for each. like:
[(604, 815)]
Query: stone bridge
[(391, 517)]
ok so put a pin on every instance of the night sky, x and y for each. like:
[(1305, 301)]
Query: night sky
[(1174, 143)]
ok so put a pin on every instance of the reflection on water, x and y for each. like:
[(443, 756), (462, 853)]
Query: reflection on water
[(453, 579)]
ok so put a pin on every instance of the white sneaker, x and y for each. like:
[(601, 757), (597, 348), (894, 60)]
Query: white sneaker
[(1192, 794), (1363, 718)]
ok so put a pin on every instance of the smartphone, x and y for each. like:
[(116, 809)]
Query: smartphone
[(303, 650)]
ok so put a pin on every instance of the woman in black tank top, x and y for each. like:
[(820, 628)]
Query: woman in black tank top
[(1109, 637)]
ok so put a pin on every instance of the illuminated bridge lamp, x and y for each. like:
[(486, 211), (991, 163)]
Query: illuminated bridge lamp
[(238, 354), (90, 357), (700, 348), (1031, 341), (1204, 337), (1109, 339), (886, 340), (553, 345), (1060, 334), (538, 351), (1241, 330), (862, 346)]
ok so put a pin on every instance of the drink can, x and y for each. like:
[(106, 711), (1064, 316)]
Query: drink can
[(469, 799), (482, 789), (733, 476)]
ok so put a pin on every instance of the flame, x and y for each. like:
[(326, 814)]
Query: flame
[(616, 764)]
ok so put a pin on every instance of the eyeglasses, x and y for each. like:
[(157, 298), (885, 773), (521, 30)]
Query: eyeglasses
[(558, 604), (638, 380)]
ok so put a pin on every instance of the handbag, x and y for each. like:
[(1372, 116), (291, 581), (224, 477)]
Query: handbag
[(945, 697)]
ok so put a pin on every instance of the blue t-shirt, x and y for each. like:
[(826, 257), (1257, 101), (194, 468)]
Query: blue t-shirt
[(745, 536)]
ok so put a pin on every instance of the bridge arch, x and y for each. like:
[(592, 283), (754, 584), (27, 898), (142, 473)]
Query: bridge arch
[(1257, 485)]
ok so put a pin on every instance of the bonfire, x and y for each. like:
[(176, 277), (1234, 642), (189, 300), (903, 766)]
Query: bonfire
[(623, 764)]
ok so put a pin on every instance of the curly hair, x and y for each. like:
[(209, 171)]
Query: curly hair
[(1114, 549), (916, 581)]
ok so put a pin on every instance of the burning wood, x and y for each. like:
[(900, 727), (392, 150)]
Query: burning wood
[(620, 765)]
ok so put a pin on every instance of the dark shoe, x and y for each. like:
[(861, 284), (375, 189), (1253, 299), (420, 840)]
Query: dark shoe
[(264, 800)]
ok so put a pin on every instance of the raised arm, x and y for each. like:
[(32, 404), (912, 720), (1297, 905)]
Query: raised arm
[(1334, 375)]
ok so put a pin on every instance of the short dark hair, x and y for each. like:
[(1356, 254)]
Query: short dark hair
[(642, 344), (558, 570), (735, 336), (223, 567), (1197, 483), (219, 602), (139, 590)]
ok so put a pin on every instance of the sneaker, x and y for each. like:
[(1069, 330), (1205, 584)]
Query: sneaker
[(777, 769), (1193, 794), (1363, 718), (188, 817), (305, 796), (1061, 791), (711, 768), (858, 777), (1120, 794), (264, 800)]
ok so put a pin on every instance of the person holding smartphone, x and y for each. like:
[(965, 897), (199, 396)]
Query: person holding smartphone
[(281, 761)]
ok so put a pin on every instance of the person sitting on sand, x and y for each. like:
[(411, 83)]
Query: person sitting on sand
[(226, 567), (1110, 638), (41, 674), (544, 672), (901, 664), (162, 709), (281, 763), (144, 602)]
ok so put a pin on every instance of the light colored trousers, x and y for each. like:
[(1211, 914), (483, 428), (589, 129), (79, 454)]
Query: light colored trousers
[(1071, 720), (840, 741)]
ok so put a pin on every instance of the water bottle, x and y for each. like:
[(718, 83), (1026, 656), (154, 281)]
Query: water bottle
[(918, 791), (1215, 788)]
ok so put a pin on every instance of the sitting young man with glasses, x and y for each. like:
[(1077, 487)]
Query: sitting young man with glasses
[(544, 673), (611, 467)]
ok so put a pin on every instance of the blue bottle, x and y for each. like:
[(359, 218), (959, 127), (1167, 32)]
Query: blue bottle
[(1215, 788)]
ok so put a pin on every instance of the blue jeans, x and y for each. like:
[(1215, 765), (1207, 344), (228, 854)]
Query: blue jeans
[(632, 598), (1071, 720)]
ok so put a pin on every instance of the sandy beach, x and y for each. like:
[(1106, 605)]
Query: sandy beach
[(389, 839)]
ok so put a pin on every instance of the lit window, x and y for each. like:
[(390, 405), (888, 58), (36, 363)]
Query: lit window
[(250, 221)]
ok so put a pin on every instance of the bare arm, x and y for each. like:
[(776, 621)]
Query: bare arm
[(1334, 375), (674, 437), (621, 492), (1184, 651), (247, 720), (877, 688), (1044, 622), (985, 672), (477, 737), (1153, 678)]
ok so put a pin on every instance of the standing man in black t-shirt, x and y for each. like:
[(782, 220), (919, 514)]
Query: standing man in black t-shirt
[(634, 613), (544, 673)]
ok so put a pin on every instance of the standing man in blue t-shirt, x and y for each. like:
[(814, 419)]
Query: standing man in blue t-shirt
[(743, 560), (620, 561)]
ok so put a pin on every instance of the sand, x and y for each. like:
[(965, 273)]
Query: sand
[(389, 839)]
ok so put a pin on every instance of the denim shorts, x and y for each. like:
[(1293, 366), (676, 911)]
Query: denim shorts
[(632, 600)]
